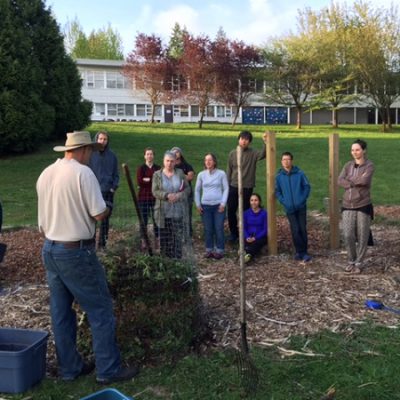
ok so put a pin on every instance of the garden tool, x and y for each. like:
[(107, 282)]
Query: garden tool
[(247, 370), (377, 305)]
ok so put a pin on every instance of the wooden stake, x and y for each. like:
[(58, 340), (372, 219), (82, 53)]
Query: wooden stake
[(333, 191), (270, 143)]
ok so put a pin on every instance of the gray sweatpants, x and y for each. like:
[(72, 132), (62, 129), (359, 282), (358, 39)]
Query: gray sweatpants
[(356, 226)]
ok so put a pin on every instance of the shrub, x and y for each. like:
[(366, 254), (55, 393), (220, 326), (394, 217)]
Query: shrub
[(157, 304)]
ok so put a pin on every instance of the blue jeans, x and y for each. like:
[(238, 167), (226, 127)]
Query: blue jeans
[(298, 228), (76, 274), (213, 221)]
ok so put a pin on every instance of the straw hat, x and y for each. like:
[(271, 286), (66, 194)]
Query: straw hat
[(78, 139)]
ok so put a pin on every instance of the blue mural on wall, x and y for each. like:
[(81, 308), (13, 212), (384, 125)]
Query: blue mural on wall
[(253, 115), (276, 115)]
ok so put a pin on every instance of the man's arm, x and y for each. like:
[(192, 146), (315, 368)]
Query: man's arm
[(103, 215)]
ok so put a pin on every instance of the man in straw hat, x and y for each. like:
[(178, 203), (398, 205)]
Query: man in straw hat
[(69, 204)]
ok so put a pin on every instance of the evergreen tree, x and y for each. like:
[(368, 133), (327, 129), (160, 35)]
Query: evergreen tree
[(103, 44), (40, 88)]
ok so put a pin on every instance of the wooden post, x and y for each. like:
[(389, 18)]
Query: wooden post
[(333, 191), (270, 143)]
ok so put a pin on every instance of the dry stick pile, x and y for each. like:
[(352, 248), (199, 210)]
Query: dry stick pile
[(285, 297)]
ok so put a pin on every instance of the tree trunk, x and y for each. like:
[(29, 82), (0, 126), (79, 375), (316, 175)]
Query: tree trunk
[(335, 114), (389, 120), (298, 117), (235, 117), (201, 118), (153, 111)]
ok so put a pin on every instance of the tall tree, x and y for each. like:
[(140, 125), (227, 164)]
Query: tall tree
[(103, 44), (175, 45), (40, 87), (291, 72), (328, 29), (149, 68), (376, 56), (196, 64), (236, 65)]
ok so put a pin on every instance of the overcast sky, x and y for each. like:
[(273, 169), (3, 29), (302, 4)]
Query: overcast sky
[(253, 21)]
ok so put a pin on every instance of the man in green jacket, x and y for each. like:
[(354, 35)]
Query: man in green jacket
[(249, 164)]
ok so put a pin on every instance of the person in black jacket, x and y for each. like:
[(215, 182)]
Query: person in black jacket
[(104, 164)]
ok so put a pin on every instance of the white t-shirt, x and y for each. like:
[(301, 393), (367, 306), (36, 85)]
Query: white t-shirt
[(69, 197)]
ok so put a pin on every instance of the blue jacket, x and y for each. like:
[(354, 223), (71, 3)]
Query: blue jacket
[(104, 164), (292, 189)]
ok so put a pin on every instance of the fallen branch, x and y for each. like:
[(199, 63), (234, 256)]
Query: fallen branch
[(275, 321), (298, 353)]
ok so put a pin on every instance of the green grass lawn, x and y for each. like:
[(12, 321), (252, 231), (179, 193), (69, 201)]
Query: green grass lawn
[(309, 146), (361, 364)]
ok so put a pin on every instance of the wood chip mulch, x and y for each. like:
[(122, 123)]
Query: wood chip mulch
[(284, 297)]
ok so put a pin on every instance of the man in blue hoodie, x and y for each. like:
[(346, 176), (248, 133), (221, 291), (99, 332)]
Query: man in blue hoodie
[(104, 164), (292, 190)]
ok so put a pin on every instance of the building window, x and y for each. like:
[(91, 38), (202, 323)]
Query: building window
[(194, 111), (210, 111), (111, 109), (115, 81), (158, 111), (181, 111), (121, 109), (99, 109), (99, 80), (220, 112), (141, 110), (129, 109)]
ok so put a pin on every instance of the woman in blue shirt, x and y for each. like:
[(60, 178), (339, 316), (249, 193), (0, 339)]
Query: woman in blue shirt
[(211, 195), (255, 227)]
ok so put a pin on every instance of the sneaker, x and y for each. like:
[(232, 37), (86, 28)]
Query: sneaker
[(217, 256), (298, 257), (86, 370), (307, 258), (125, 374), (247, 258), (209, 254)]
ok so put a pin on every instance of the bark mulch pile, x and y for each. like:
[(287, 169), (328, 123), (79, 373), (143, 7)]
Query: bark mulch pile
[(284, 297)]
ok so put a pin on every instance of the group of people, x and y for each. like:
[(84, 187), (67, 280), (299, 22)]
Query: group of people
[(76, 192)]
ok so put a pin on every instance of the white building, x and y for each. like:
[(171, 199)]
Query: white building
[(115, 99)]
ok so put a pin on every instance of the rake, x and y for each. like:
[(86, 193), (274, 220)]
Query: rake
[(246, 368)]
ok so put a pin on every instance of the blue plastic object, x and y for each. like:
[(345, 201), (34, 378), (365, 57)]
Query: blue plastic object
[(107, 394), (22, 359), (377, 305)]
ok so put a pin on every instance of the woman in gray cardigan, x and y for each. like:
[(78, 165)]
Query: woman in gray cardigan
[(170, 189), (357, 210)]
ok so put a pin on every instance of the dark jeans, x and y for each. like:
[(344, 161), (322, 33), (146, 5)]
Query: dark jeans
[(233, 204), (105, 223), (76, 274), (171, 238), (255, 247), (298, 228), (146, 208)]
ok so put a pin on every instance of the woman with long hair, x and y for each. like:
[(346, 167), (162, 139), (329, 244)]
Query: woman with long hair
[(255, 228), (357, 210), (211, 195)]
